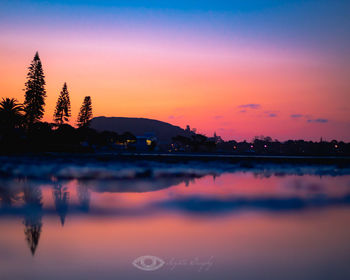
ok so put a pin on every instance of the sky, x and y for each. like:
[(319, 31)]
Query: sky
[(237, 68)]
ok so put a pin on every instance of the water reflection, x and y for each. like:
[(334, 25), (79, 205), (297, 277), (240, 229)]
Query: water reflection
[(200, 205), (61, 198), (8, 195), (33, 213), (206, 196), (84, 196)]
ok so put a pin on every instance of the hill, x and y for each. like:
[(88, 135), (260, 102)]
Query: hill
[(138, 126)]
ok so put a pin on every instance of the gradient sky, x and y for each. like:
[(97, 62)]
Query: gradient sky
[(240, 68)]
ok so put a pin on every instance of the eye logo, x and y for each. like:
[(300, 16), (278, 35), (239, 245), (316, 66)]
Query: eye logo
[(148, 263)]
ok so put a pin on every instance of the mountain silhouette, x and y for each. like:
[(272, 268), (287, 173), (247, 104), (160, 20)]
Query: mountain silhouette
[(138, 126)]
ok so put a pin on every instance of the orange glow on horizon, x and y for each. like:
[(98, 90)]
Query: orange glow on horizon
[(200, 87)]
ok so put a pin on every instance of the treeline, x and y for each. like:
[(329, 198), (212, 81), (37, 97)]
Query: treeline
[(193, 143), (46, 137), (260, 146), (19, 123), (22, 130)]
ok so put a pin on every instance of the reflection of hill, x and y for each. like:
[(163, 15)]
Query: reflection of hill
[(199, 205), (137, 185), (189, 203)]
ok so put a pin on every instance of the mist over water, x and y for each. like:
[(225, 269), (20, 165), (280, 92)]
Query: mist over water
[(68, 168)]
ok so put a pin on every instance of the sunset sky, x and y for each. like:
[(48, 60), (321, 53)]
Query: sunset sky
[(240, 68)]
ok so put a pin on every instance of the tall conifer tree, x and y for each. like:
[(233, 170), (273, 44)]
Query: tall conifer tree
[(62, 111), (85, 114), (35, 92)]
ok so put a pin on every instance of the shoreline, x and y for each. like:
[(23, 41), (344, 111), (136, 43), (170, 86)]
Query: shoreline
[(153, 166), (186, 157)]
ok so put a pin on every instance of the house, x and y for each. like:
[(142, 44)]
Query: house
[(147, 142)]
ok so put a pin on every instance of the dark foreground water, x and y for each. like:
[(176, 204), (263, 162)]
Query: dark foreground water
[(182, 222)]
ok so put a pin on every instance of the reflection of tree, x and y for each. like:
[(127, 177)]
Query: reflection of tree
[(84, 197), (61, 198), (33, 216)]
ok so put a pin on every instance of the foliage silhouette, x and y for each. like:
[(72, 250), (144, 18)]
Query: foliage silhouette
[(63, 109), (11, 114), (35, 92), (85, 114), (195, 143), (22, 131), (11, 125)]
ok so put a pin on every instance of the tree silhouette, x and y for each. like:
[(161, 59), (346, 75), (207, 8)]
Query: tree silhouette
[(62, 111), (35, 92), (85, 114), (11, 113)]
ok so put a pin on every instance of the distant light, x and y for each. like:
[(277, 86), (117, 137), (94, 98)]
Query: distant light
[(336, 146), (265, 146), (251, 146), (234, 147)]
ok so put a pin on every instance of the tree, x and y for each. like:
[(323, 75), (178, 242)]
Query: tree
[(62, 111), (85, 114), (11, 113), (35, 92)]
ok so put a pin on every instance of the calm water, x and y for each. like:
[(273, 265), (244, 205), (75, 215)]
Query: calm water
[(232, 225)]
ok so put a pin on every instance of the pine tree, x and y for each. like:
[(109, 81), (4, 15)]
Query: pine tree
[(35, 92), (85, 114), (62, 111)]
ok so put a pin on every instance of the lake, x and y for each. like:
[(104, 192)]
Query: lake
[(198, 221)]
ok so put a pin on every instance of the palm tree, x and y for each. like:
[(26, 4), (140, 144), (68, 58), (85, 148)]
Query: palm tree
[(11, 113)]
